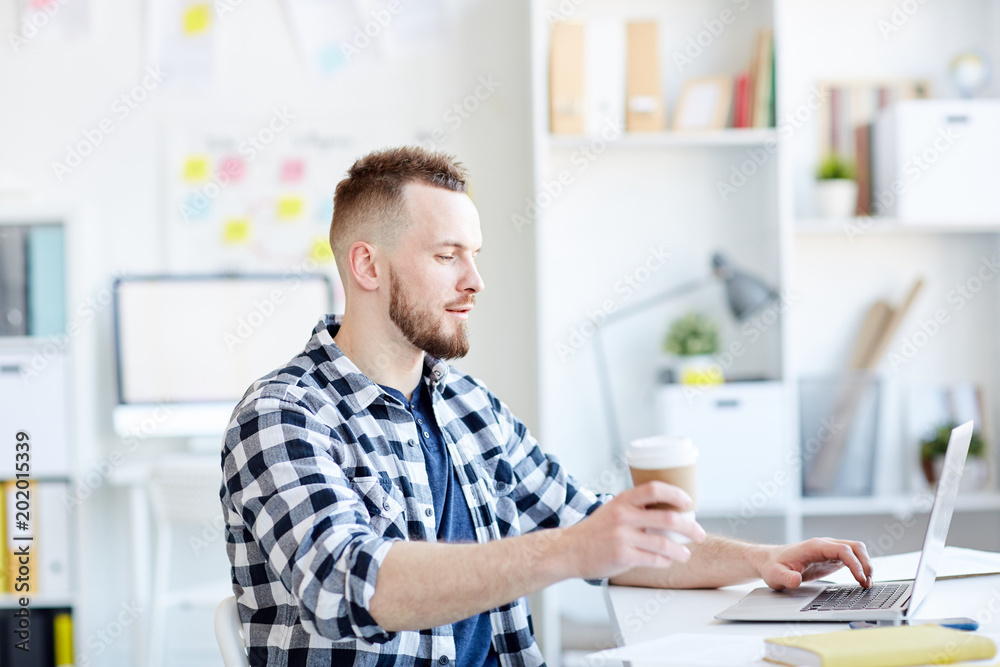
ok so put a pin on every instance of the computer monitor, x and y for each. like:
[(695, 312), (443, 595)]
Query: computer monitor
[(188, 346)]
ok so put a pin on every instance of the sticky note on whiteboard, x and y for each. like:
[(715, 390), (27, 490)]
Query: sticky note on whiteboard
[(320, 250), (196, 168), (289, 207), (196, 19), (292, 171), (233, 167), (236, 231)]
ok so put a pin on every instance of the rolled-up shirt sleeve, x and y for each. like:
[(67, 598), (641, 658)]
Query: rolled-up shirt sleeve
[(547, 496), (310, 524)]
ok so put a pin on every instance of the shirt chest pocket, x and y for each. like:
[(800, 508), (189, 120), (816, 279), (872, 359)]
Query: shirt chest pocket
[(382, 507)]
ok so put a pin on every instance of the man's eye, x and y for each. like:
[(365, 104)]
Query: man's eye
[(446, 257)]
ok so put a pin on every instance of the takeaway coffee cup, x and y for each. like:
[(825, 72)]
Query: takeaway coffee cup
[(669, 459)]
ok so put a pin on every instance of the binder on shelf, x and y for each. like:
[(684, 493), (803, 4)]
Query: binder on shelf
[(21, 532), (62, 638), (45, 280), (643, 96), (566, 79), (13, 282), (5, 586), (53, 537)]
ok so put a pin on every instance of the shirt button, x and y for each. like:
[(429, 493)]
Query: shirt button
[(386, 506), (427, 512), (411, 443), (420, 421), (426, 434), (501, 486), (443, 660)]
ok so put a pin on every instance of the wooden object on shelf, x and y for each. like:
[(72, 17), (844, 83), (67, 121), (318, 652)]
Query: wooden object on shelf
[(643, 96), (871, 330), (566, 79), (704, 104), (822, 471)]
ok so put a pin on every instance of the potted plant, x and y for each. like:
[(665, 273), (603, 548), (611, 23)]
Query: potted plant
[(932, 451), (835, 187), (692, 340)]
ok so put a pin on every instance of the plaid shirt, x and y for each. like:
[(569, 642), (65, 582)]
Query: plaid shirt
[(323, 472)]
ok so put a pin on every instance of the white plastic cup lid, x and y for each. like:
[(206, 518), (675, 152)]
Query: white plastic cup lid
[(661, 451)]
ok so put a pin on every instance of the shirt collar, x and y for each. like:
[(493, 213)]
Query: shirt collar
[(361, 391)]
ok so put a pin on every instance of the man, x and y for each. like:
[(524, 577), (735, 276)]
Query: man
[(383, 508)]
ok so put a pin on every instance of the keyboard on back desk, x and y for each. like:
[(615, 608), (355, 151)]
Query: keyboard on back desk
[(845, 598)]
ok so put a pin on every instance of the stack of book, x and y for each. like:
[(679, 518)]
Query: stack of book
[(32, 283)]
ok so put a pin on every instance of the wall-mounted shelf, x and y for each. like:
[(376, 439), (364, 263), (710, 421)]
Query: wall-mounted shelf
[(730, 137), (860, 226)]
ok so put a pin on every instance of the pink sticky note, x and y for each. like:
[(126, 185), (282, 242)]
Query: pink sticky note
[(292, 170), (233, 167)]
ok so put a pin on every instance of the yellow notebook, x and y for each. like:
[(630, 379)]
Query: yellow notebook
[(896, 646)]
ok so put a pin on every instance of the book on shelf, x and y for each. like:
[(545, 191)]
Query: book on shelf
[(761, 75), (741, 100), (898, 646), (32, 280)]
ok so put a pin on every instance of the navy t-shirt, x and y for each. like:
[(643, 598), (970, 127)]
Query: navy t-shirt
[(473, 636)]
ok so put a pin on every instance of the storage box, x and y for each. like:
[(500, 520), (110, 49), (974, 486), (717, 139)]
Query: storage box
[(935, 162), (745, 466)]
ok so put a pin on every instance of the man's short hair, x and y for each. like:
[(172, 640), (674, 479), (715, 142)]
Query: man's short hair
[(368, 204)]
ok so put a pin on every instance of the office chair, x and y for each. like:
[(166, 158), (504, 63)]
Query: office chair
[(229, 634)]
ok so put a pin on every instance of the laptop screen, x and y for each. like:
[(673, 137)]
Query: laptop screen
[(944, 506)]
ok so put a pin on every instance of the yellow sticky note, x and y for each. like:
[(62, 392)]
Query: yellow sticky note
[(320, 250), (196, 168), (289, 207), (197, 18), (236, 230)]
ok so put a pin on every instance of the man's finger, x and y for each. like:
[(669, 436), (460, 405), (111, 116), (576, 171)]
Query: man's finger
[(661, 545), (861, 553), (671, 520), (655, 492), (838, 550)]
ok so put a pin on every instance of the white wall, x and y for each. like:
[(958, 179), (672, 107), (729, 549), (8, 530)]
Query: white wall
[(54, 91)]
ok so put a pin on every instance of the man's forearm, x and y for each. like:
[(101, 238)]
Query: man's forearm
[(718, 561), (423, 585)]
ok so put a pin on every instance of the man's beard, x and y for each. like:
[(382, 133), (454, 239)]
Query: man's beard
[(422, 329)]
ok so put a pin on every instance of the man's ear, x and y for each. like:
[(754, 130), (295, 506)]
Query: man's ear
[(362, 266)]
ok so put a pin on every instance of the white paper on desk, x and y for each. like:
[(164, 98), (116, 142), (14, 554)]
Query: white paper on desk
[(958, 562), (692, 649)]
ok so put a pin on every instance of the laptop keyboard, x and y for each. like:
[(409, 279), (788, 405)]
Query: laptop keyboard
[(846, 598)]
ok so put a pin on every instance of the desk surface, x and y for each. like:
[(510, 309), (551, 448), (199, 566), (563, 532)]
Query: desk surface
[(643, 614)]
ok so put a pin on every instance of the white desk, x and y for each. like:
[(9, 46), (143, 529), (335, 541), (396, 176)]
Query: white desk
[(643, 614)]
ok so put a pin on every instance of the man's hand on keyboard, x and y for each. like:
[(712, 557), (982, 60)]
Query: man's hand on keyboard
[(787, 566)]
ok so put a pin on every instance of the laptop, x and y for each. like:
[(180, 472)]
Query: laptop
[(883, 602)]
